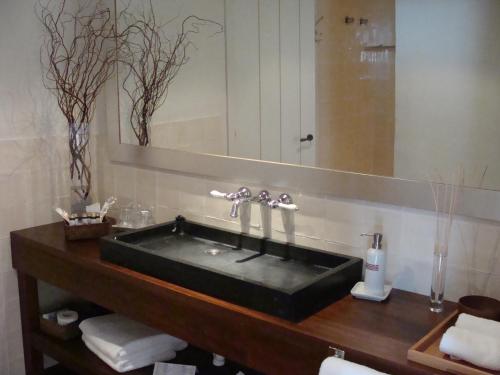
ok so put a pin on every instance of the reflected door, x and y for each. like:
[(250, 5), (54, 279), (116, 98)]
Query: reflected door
[(270, 80)]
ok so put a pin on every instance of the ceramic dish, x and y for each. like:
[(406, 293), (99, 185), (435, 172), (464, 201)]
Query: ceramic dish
[(483, 307)]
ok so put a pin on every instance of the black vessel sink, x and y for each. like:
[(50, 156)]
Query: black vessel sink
[(285, 280)]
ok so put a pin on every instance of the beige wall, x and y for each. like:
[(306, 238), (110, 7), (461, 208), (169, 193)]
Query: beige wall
[(448, 88), (355, 87), (33, 160)]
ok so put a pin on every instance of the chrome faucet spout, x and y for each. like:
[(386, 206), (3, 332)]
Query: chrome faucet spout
[(235, 208), (243, 195)]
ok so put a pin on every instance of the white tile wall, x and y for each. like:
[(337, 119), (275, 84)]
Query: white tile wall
[(329, 224)]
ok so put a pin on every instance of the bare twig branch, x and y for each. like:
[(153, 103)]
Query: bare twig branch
[(152, 61)]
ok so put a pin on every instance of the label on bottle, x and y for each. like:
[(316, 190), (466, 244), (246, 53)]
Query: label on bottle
[(372, 267)]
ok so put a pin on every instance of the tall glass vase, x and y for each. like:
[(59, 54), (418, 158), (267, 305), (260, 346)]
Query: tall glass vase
[(438, 278), (80, 172)]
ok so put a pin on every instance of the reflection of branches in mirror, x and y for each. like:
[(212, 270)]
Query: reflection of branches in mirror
[(152, 61), (77, 58)]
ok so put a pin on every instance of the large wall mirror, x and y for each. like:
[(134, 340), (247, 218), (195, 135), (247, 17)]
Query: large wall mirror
[(395, 88)]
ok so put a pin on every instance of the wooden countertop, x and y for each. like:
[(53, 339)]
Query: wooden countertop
[(375, 334)]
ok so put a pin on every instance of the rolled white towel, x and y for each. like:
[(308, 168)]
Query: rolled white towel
[(117, 336), (476, 348), (479, 325), (130, 363), (337, 366)]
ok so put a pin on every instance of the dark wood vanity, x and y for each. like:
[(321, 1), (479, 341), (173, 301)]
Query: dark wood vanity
[(374, 334)]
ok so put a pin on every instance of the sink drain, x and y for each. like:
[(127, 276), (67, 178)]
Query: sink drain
[(213, 252)]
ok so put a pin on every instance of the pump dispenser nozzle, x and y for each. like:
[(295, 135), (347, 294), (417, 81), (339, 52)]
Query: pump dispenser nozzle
[(377, 239)]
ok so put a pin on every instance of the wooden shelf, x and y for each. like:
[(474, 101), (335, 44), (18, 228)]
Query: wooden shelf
[(75, 356), (58, 370)]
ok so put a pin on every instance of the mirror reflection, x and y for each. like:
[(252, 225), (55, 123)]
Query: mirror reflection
[(398, 88)]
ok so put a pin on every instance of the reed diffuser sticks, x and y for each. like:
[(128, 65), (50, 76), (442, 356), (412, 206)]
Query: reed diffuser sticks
[(445, 193)]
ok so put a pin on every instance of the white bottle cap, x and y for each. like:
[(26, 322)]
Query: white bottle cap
[(65, 317), (219, 360), (50, 316)]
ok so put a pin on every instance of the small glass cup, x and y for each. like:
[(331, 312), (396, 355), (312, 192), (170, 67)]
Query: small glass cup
[(144, 218), (127, 219)]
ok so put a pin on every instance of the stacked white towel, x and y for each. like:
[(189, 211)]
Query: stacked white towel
[(129, 363), (474, 340), (479, 325), (126, 345), (337, 366)]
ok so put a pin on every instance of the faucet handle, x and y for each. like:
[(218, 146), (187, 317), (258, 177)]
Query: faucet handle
[(284, 202), (243, 194), (218, 194), (289, 207)]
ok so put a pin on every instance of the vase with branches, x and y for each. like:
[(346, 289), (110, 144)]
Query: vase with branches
[(152, 60), (77, 58)]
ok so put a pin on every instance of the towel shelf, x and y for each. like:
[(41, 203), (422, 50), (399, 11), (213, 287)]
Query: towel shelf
[(77, 359), (58, 370), (74, 356)]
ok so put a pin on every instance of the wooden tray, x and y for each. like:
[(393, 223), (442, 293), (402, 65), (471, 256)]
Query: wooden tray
[(426, 352)]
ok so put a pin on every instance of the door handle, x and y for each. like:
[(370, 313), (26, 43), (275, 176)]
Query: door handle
[(308, 138)]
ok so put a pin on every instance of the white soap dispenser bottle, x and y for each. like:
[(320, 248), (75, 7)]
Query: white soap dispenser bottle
[(375, 266)]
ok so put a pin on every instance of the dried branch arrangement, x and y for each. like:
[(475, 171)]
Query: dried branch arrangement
[(152, 60), (77, 57)]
